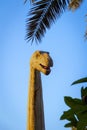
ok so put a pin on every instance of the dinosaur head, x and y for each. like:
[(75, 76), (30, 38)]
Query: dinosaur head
[(41, 61)]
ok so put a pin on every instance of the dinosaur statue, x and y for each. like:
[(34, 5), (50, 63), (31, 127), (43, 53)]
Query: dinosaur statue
[(39, 62)]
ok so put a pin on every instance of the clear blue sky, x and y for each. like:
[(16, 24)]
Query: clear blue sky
[(66, 44)]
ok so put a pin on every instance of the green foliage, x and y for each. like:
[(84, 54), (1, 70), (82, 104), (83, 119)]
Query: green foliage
[(82, 80), (83, 92), (77, 114), (69, 115)]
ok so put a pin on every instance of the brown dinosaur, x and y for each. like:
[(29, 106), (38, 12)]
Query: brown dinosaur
[(39, 62)]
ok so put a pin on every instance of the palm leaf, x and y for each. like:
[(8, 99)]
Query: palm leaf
[(31, 1), (86, 35), (86, 29), (42, 14)]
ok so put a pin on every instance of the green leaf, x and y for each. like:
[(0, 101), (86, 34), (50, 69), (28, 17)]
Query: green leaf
[(81, 125), (68, 115), (83, 117), (82, 80), (68, 101), (77, 106), (68, 125), (77, 114), (72, 102)]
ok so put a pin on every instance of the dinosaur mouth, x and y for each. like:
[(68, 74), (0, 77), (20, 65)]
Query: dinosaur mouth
[(45, 67)]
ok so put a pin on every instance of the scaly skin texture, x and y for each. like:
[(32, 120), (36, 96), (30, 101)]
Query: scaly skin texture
[(39, 62)]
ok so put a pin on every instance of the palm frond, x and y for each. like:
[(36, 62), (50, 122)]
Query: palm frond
[(42, 14), (31, 1), (74, 4), (86, 35), (86, 29)]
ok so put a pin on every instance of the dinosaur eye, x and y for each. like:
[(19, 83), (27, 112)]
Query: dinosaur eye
[(85, 99), (48, 53)]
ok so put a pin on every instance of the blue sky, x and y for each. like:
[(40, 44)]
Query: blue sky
[(66, 44)]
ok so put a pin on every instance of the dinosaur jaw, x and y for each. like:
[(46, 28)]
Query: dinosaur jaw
[(47, 70)]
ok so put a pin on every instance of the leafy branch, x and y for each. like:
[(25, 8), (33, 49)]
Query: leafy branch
[(77, 114)]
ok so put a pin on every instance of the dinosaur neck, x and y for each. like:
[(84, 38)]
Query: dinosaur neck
[(35, 102)]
